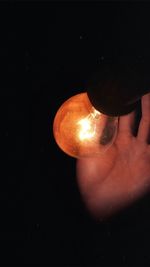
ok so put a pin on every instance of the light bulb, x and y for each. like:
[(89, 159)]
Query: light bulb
[(82, 131)]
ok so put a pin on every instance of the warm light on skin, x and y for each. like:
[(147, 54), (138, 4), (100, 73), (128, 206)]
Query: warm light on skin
[(120, 177), (82, 131)]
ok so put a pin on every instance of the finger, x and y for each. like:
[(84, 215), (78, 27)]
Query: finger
[(144, 125), (126, 124)]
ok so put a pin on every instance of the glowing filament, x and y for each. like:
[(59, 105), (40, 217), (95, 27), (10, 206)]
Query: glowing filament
[(86, 131), (87, 126)]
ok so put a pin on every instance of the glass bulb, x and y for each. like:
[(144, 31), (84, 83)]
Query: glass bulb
[(82, 131)]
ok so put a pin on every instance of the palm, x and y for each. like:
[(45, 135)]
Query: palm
[(120, 176)]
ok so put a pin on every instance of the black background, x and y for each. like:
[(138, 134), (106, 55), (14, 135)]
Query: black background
[(47, 51)]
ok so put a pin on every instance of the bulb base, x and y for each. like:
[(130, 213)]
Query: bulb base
[(116, 89)]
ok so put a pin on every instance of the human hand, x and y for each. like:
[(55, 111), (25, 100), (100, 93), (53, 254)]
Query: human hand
[(122, 175)]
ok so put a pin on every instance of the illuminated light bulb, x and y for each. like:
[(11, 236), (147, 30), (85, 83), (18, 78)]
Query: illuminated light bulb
[(82, 131)]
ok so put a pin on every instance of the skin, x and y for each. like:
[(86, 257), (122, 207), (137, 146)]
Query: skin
[(112, 181)]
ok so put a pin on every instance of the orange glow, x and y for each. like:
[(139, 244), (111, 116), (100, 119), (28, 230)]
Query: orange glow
[(82, 131)]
